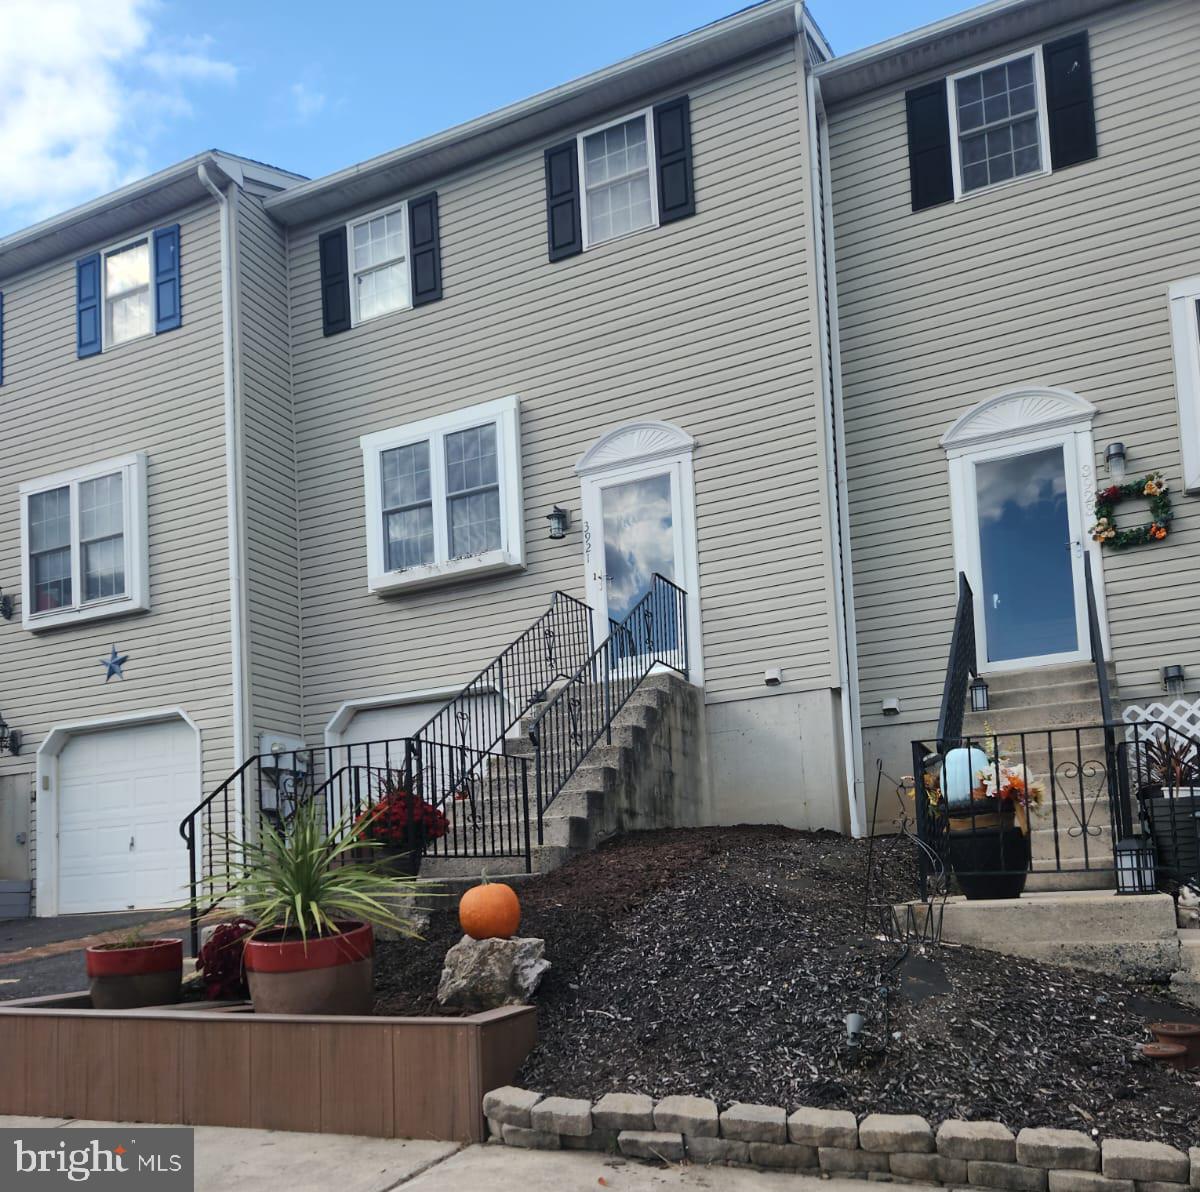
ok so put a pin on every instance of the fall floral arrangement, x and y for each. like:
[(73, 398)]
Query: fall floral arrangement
[(401, 819), (1105, 530)]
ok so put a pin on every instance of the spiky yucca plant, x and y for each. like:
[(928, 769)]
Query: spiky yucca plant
[(304, 879)]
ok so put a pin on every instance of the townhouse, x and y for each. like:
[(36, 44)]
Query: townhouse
[(287, 462)]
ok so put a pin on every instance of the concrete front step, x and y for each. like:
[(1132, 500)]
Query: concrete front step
[(545, 858), (1079, 690), (1053, 881), (1037, 678), (1189, 953), (1033, 718), (1130, 936)]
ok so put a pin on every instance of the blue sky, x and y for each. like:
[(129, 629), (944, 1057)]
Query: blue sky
[(96, 94)]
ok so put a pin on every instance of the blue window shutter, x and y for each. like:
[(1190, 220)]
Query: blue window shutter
[(166, 279), (87, 305), (1, 339)]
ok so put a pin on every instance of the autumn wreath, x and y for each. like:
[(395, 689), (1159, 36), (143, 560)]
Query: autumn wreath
[(1105, 530)]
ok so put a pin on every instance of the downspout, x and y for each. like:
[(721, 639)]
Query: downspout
[(821, 204), (233, 454)]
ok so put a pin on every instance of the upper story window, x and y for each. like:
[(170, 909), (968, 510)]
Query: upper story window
[(378, 263), (387, 261), (999, 122), (444, 497), (1185, 334), (991, 125), (623, 177), (128, 291), (617, 164), (127, 313), (83, 536)]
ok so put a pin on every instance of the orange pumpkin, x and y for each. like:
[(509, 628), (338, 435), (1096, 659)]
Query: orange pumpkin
[(490, 911)]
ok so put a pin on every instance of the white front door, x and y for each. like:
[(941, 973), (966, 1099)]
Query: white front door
[(1024, 528), (633, 532), (121, 795)]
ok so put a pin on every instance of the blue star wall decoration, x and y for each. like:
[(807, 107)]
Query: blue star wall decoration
[(113, 664)]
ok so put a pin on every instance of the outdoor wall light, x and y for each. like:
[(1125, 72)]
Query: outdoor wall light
[(854, 1027), (1172, 677), (1114, 457), (560, 522), (6, 606), (1135, 866), (10, 739), (890, 706), (979, 696)]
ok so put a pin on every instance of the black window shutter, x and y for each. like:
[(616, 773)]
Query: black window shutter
[(564, 231), (425, 249), (930, 174), (1069, 104), (335, 282), (673, 152)]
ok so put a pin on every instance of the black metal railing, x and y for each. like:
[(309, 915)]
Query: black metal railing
[(1035, 801), (484, 796), (962, 666), (582, 710), (553, 648), (1163, 768)]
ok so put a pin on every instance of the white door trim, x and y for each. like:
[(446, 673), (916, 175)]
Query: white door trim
[(631, 452), (1011, 423), (46, 800)]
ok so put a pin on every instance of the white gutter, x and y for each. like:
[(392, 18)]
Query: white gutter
[(821, 202), (233, 454)]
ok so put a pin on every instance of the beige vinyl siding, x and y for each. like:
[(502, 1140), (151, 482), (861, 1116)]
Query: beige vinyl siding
[(703, 323), (269, 473), (162, 395), (1060, 281)]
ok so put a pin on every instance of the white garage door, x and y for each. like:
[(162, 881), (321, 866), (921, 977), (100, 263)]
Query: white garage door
[(121, 795)]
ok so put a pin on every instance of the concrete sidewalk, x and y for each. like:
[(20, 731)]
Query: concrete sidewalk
[(271, 1161)]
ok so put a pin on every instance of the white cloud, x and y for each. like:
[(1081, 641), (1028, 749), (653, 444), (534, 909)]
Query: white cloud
[(306, 100), (75, 81)]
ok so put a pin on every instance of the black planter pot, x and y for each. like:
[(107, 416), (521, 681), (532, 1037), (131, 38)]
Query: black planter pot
[(403, 862), (989, 862), (1175, 825)]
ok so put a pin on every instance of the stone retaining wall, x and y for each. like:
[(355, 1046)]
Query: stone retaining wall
[(901, 1148)]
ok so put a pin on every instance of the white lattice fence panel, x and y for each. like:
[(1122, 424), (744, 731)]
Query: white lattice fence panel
[(1180, 715)]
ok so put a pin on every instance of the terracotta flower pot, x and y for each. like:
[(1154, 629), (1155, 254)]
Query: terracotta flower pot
[(1186, 1034), (148, 974), (332, 974)]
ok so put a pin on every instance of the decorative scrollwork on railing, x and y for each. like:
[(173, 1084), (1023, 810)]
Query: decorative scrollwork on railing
[(1083, 784)]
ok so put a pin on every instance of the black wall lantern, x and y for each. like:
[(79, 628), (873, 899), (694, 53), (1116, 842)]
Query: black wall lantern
[(1172, 677), (979, 696), (10, 739), (1114, 457), (6, 606), (1135, 866), (560, 522)]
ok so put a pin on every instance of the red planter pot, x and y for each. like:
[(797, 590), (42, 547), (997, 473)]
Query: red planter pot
[(147, 974), (327, 975)]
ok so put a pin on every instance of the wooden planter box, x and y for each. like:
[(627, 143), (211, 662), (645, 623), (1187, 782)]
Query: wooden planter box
[(220, 1064)]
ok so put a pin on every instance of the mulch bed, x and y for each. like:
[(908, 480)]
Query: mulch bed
[(722, 962)]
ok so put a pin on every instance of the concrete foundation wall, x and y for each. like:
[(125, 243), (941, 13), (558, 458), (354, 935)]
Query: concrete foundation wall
[(777, 760)]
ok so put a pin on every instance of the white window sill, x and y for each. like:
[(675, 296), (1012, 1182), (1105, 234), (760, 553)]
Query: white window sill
[(493, 562), (60, 617)]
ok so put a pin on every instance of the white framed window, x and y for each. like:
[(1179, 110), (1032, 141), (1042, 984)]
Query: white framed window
[(377, 245), (999, 132), (1185, 336), (83, 544), (128, 295), (617, 176), (443, 498)]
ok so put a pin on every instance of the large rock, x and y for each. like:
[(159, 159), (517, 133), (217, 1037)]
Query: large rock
[(485, 974)]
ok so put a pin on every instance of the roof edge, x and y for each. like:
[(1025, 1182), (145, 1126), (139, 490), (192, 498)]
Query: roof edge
[(944, 42), (712, 45)]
